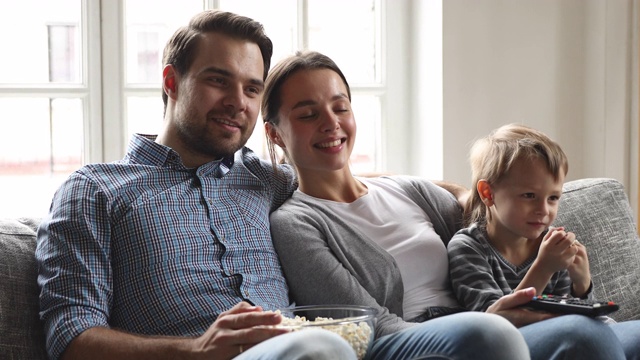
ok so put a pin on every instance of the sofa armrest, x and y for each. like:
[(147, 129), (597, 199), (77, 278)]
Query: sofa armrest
[(597, 210), (22, 335)]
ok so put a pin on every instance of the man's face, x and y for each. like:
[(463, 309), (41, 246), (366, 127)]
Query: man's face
[(218, 99)]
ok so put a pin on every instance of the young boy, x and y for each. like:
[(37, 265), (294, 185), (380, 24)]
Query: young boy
[(509, 243)]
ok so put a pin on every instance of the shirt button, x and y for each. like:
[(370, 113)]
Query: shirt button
[(246, 293)]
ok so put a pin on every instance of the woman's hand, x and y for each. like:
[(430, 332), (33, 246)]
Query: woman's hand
[(508, 307), (237, 330)]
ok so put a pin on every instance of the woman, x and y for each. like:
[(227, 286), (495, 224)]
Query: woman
[(381, 242)]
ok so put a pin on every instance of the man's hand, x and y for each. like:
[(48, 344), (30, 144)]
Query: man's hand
[(508, 307), (237, 330)]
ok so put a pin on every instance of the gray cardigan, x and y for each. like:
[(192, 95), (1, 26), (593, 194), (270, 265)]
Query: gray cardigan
[(327, 261)]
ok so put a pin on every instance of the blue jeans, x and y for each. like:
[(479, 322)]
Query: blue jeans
[(628, 333), (580, 337), (468, 335), (309, 344)]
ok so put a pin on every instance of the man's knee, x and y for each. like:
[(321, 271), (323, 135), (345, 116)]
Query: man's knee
[(308, 344)]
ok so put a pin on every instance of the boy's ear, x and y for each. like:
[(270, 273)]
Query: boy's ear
[(485, 192)]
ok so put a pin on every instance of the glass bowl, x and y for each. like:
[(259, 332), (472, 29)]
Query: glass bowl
[(356, 324)]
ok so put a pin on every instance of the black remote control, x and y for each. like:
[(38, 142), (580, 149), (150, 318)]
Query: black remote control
[(569, 305)]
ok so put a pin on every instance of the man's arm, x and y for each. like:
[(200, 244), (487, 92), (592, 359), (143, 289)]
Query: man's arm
[(105, 343), (235, 330)]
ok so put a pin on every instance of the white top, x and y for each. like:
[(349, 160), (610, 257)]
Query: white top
[(391, 219)]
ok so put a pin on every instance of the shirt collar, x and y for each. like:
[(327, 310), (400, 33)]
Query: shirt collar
[(143, 149)]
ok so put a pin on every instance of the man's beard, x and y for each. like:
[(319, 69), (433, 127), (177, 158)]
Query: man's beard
[(199, 139)]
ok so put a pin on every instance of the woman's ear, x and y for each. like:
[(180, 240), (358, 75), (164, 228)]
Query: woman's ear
[(272, 132), (485, 192)]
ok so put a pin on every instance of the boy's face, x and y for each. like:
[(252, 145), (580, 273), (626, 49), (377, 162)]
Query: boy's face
[(526, 200)]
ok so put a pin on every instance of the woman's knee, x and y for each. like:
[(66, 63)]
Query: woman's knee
[(491, 329), (320, 344), (475, 335)]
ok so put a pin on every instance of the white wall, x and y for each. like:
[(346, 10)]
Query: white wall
[(565, 67)]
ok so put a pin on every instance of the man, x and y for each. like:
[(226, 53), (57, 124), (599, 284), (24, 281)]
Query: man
[(140, 258)]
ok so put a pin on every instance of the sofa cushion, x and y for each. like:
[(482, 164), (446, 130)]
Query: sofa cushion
[(22, 335), (598, 212)]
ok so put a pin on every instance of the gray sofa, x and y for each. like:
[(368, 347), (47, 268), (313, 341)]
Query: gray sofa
[(597, 210)]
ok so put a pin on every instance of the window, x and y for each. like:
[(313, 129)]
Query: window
[(63, 53), (42, 98), (356, 50), (87, 75)]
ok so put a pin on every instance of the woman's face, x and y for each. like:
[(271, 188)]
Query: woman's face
[(317, 127)]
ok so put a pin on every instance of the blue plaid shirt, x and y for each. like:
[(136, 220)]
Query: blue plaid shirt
[(151, 247)]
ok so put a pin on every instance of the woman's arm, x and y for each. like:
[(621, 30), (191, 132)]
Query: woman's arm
[(460, 192), (314, 272), (509, 307)]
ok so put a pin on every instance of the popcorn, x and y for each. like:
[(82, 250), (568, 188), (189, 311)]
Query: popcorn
[(357, 335)]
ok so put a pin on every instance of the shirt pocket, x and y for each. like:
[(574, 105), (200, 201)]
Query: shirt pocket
[(254, 204)]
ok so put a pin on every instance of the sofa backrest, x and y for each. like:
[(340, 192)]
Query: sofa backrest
[(598, 212), (21, 334)]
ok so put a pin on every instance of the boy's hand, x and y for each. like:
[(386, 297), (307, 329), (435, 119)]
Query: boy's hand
[(579, 271), (556, 252)]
